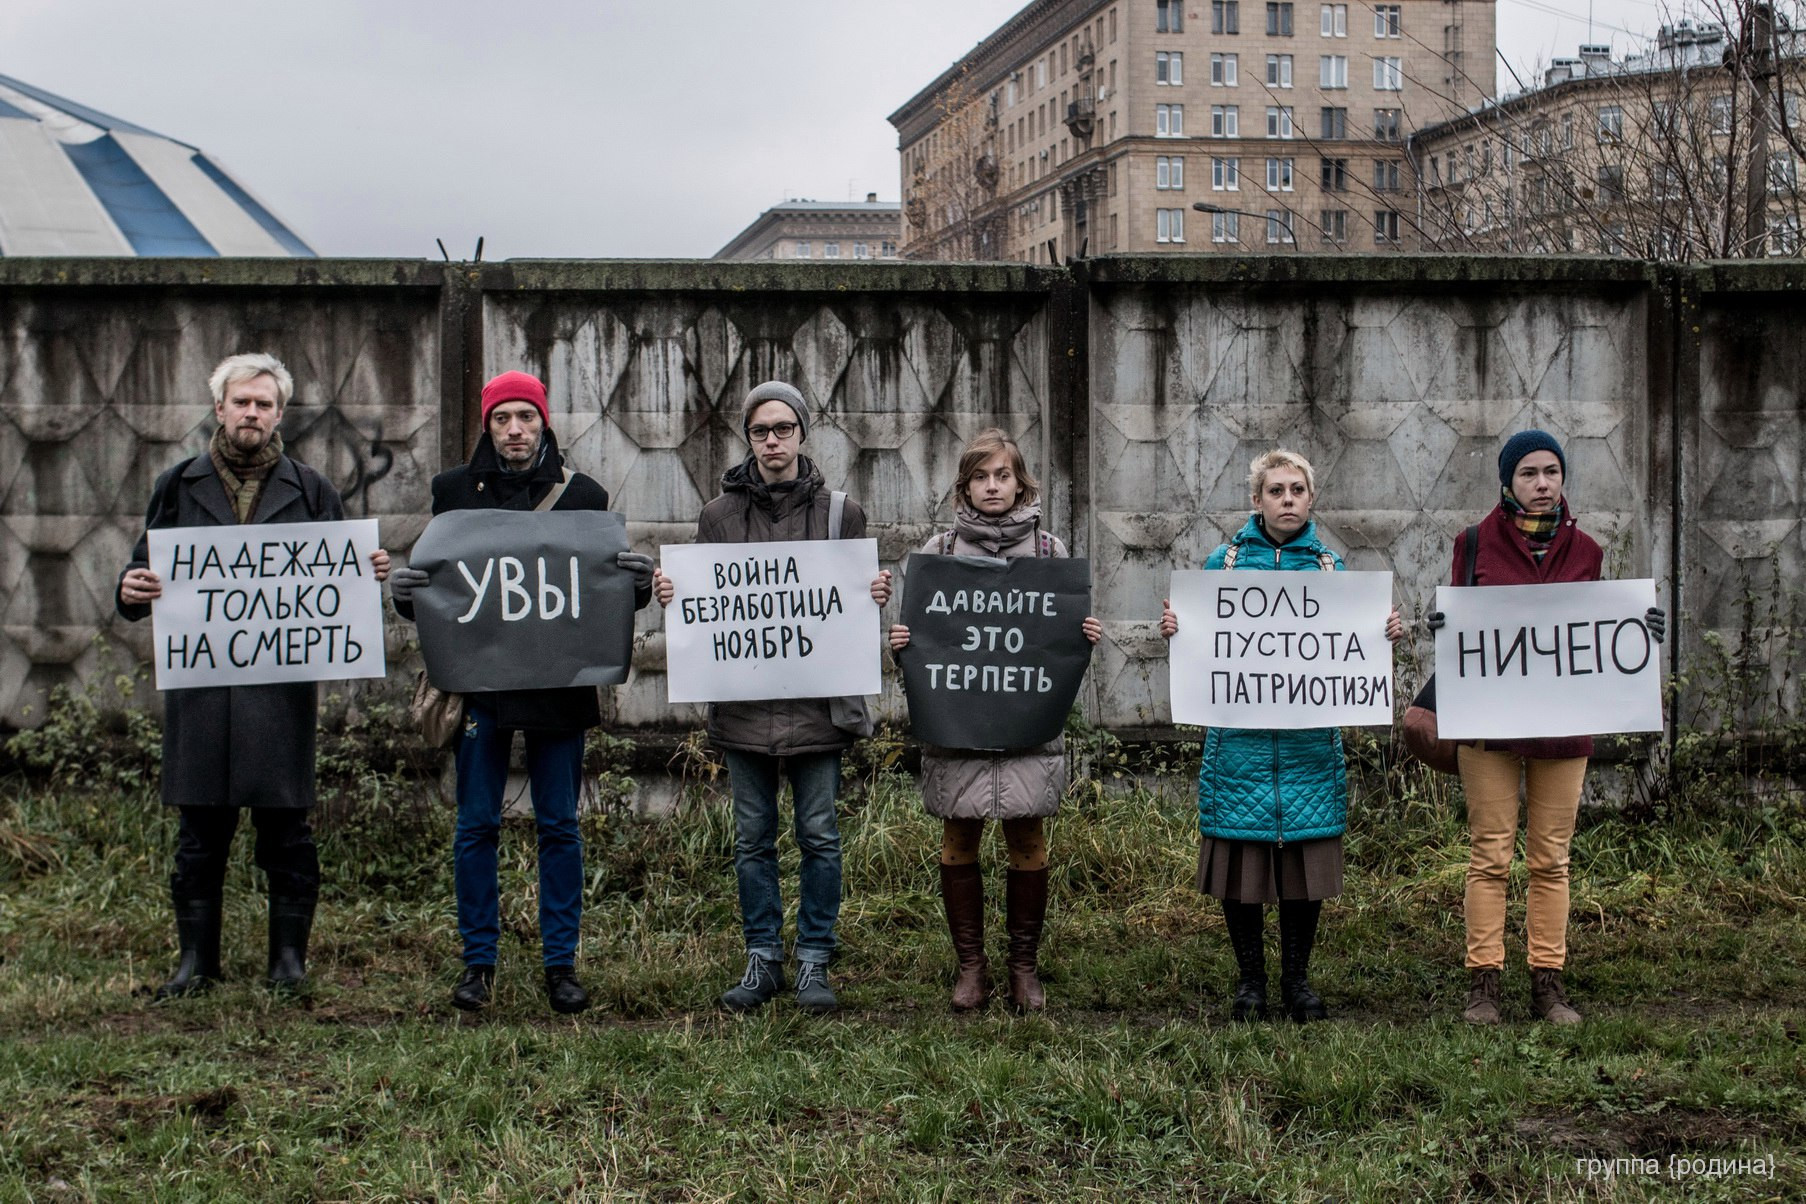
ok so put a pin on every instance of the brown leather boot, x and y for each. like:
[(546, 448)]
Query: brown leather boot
[(1482, 997), (963, 894), (1547, 999), (1025, 897)]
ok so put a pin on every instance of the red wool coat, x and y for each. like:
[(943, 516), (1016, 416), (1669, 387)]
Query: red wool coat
[(1503, 558)]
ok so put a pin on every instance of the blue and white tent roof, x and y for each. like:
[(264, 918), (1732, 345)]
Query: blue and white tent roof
[(77, 182)]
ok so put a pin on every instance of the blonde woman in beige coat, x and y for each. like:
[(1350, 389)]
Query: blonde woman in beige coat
[(997, 512)]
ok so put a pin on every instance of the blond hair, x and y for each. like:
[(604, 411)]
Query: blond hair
[(984, 445), (1279, 457), (249, 366)]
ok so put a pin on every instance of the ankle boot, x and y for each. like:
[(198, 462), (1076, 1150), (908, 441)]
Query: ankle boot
[(963, 894), (1547, 998), (197, 935), (1297, 933), (291, 922), (1025, 898), (1482, 997), (1245, 922)]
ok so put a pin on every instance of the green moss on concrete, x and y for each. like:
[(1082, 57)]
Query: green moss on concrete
[(230, 273), (766, 275), (1342, 270)]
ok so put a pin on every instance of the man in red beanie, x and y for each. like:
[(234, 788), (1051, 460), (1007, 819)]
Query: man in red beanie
[(517, 466)]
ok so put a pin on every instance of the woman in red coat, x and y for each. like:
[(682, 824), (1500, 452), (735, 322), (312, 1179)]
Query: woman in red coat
[(1530, 538)]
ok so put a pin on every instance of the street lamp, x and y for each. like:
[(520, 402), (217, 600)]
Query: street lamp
[(1290, 223)]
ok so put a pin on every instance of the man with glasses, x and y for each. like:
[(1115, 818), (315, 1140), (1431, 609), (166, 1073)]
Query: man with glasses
[(778, 494)]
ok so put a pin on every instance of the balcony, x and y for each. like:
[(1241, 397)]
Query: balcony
[(1081, 116)]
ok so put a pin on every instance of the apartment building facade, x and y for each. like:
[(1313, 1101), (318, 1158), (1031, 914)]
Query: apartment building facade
[(1686, 149), (1091, 126), (804, 229)]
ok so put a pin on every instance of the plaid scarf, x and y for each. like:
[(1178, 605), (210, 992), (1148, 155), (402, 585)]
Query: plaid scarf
[(1538, 529), (242, 475)]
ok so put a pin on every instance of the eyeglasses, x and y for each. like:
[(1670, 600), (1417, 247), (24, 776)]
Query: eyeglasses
[(782, 430)]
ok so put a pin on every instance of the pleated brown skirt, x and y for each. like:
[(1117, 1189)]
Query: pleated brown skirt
[(1250, 871)]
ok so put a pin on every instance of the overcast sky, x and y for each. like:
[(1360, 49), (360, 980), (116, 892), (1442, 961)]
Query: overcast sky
[(553, 127)]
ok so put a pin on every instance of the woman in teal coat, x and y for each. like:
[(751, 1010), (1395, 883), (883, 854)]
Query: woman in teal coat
[(1272, 805)]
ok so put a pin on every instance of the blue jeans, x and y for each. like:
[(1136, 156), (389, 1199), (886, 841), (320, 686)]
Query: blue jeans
[(554, 770), (814, 781)]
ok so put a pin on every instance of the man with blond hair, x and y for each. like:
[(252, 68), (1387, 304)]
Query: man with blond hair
[(232, 747)]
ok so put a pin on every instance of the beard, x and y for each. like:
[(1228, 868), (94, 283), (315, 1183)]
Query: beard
[(249, 439)]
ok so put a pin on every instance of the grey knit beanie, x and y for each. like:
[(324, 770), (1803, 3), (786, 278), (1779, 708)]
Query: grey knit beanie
[(776, 390)]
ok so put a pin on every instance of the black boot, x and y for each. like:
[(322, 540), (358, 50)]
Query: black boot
[(1297, 933), (197, 935), (291, 921), (1245, 922)]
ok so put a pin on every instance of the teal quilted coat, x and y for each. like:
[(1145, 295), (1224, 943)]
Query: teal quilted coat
[(1273, 786)]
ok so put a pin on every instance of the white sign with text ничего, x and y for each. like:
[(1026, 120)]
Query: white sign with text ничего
[(1523, 661)]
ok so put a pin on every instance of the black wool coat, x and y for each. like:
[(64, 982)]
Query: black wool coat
[(482, 485), (235, 746)]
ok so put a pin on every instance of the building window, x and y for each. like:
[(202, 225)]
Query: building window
[(1567, 131), (1388, 74), (1386, 21), (1225, 121), (1718, 113), (1611, 182), (1334, 174), (1169, 172), (1225, 227), (1279, 19), (1335, 20), (1385, 175), (1783, 174), (1169, 225), (803, 250), (1784, 234), (1279, 226), (1169, 16), (1169, 121), (1223, 72), (1169, 67), (830, 250), (1385, 125), (1385, 227), (1332, 71), (1279, 175), (1225, 16), (1333, 224), (861, 251), (1226, 175), (1335, 123), (887, 250), (1611, 124), (1279, 71), (1279, 121)]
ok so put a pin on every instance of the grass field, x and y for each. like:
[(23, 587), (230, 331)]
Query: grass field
[(1687, 944)]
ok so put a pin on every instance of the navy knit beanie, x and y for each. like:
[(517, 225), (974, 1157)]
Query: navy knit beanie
[(1521, 445)]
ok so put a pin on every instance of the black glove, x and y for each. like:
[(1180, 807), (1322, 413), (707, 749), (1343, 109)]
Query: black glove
[(1434, 620), (640, 565), (403, 583), (1656, 620)]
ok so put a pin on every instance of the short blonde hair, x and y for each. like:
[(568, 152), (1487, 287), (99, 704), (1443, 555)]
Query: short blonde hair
[(249, 366), (984, 445), (1279, 457)]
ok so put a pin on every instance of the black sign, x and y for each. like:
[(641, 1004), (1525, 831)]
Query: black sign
[(997, 648), (524, 600)]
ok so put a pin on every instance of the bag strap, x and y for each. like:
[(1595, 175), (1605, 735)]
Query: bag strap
[(1043, 544), (1471, 540), (837, 505), (556, 492), (1230, 555), (946, 543), (1326, 562)]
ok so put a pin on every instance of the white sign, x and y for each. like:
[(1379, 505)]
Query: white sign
[(1519, 661), (266, 602), (771, 620), (1281, 649)]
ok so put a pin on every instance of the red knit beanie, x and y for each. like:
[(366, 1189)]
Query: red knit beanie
[(516, 386)]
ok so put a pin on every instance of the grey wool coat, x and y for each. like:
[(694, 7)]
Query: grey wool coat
[(235, 746), (960, 783)]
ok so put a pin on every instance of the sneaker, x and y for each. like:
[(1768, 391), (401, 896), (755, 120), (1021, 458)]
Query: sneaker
[(473, 988), (563, 990), (1482, 997), (762, 980), (812, 991), (1547, 999)]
